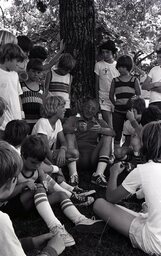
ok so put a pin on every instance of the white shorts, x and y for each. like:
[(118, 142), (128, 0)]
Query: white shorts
[(136, 233), (105, 103)]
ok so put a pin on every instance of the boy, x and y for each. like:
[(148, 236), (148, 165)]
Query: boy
[(93, 137), (105, 71), (11, 165), (153, 82), (10, 58)]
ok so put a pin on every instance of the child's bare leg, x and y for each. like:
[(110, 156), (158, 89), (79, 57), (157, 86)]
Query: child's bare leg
[(117, 217), (107, 116)]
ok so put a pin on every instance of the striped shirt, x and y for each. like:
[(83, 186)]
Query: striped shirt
[(123, 92)]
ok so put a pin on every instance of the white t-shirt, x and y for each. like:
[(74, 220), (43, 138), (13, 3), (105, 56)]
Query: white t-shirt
[(10, 90), (148, 177), (155, 75), (10, 245), (43, 126), (106, 72)]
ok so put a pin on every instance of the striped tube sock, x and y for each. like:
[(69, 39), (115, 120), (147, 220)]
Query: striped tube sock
[(102, 164), (71, 211), (44, 209)]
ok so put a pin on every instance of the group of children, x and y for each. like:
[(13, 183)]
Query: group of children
[(33, 152)]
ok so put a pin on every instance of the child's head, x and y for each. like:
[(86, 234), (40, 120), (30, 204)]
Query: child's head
[(108, 50), (138, 105), (38, 52), (33, 151), (66, 62), (25, 43), (124, 63), (52, 106), (16, 131), (7, 37), (151, 140), (150, 114), (11, 165), (11, 55), (90, 108), (2, 109), (34, 69)]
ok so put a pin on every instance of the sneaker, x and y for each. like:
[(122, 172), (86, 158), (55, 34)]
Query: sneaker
[(90, 226), (81, 200), (99, 180), (73, 180), (67, 238), (83, 192)]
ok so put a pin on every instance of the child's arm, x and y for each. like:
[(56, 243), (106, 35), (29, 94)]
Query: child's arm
[(97, 87), (112, 92), (55, 58), (137, 87), (61, 158), (47, 82), (148, 85), (115, 193), (130, 116)]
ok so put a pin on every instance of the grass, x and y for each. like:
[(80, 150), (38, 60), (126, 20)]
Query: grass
[(110, 243)]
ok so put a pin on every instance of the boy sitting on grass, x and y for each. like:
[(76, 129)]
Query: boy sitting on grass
[(11, 165)]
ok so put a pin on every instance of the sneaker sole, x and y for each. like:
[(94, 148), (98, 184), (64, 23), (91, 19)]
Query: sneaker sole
[(87, 203), (95, 228), (68, 244), (94, 182)]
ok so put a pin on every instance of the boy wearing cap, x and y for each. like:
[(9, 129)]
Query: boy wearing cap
[(105, 71), (32, 97), (153, 82)]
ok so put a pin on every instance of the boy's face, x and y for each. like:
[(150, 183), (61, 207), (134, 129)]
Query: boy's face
[(15, 65), (34, 75), (159, 58), (31, 163), (123, 71), (107, 55), (89, 109), (61, 111)]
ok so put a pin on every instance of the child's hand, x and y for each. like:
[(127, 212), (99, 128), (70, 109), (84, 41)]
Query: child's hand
[(57, 243), (117, 168), (31, 185), (130, 115), (95, 128), (41, 241), (61, 158)]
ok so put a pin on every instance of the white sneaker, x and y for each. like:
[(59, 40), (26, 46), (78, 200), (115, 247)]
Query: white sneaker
[(90, 226), (67, 238)]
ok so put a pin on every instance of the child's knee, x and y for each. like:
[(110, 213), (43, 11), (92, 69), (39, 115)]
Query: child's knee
[(62, 196), (72, 153), (98, 205)]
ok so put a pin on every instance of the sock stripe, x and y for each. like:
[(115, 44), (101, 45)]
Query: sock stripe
[(104, 159), (39, 195), (37, 202), (65, 201), (65, 204)]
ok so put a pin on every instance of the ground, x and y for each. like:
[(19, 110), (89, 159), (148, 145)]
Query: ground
[(109, 243)]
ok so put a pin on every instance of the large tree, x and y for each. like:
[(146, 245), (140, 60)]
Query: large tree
[(77, 26)]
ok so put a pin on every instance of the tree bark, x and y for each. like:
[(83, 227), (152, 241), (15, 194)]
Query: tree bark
[(77, 25)]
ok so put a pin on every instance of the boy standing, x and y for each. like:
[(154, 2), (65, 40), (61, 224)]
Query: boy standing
[(105, 71), (10, 58)]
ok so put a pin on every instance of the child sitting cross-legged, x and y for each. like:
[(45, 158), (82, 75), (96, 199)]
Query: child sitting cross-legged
[(49, 127), (32, 186)]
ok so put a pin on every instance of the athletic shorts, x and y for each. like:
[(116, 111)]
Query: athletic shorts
[(105, 103)]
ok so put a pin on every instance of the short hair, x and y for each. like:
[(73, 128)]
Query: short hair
[(150, 114), (50, 106), (11, 51), (7, 37), (108, 45), (16, 131), (137, 103), (3, 105), (125, 61), (35, 64), (66, 62), (25, 43), (88, 99), (33, 146), (10, 162), (38, 52), (151, 139)]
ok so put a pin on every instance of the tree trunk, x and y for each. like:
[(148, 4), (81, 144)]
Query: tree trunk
[(77, 25)]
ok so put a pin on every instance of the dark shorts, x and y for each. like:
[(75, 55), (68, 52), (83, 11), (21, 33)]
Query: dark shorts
[(14, 207)]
